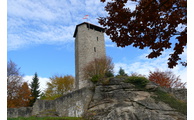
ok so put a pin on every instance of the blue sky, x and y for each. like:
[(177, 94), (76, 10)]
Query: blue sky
[(40, 39)]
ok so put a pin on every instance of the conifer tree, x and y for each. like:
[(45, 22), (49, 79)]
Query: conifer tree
[(34, 89), (122, 72)]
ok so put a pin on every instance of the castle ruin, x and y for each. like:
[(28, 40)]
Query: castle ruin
[(89, 44)]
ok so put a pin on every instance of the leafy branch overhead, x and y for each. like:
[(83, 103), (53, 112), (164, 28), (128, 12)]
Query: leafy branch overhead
[(152, 24)]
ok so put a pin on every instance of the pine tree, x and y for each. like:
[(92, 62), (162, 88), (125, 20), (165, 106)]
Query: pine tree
[(34, 89)]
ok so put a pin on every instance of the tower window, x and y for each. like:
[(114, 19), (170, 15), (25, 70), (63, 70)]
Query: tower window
[(94, 49), (97, 38)]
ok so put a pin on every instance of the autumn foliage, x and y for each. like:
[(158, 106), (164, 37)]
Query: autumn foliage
[(166, 79), (100, 67), (151, 25), (18, 92), (58, 86), (20, 98)]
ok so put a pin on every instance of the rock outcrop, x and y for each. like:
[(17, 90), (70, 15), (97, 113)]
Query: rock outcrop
[(113, 100), (118, 100)]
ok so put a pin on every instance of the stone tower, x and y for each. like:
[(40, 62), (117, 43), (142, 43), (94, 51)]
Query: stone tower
[(89, 44)]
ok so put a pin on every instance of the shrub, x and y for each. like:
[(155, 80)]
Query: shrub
[(95, 78), (137, 81)]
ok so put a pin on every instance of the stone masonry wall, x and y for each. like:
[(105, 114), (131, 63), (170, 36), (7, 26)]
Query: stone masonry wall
[(89, 44), (72, 104), (16, 112)]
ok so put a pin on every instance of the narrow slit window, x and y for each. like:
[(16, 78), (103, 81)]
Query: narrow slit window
[(94, 49), (97, 38)]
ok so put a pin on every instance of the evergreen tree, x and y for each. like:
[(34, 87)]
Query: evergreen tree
[(122, 72), (34, 89)]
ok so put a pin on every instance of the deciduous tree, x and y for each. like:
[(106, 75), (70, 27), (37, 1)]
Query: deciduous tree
[(18, 93), (58, 86), (166, 79), (24, 96), (152, 24), (14, 81), (98, 68)]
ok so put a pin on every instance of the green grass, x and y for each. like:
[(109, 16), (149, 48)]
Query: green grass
[(46, 118), (167, 98)]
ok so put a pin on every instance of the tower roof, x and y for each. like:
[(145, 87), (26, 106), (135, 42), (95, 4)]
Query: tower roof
[(89, 25)]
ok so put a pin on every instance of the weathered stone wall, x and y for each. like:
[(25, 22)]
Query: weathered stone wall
[(16, 112), (41, 106), (72, 104)]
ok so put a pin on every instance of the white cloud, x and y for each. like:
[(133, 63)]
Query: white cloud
[(144, 65), (131, 4), (30, 10), (47, 22), (110, 45), (42, 81)]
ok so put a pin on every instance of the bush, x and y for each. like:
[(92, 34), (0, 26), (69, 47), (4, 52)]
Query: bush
[(137, 81), (95, 78)]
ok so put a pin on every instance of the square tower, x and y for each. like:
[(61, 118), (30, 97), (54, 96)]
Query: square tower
[(89, 44)]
